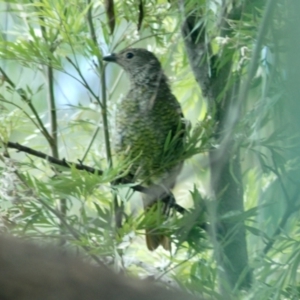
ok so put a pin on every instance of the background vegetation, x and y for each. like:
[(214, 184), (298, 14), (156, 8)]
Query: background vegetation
[(234, 65)]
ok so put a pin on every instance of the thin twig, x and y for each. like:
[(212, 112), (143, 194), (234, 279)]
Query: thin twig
[(91, 142), (52, 111), (257, 50), (24, 97), (117, 208), (52, 108), (21, 109), (289, 210), (84, 82), (103, 85)]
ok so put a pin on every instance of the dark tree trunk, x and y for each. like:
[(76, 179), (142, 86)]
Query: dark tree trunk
[(226, 181)]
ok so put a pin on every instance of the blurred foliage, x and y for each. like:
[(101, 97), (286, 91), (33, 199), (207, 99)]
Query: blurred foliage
[(38, 36)]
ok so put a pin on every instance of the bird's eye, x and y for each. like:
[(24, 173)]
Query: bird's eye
[(129, 55)]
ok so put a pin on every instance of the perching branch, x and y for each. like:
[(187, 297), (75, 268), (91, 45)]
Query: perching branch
[(155, 190), (51, 159)]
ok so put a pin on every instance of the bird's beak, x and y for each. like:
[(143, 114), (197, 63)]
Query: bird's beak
[(112, 57)]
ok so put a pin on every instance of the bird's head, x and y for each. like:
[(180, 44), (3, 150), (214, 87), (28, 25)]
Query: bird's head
[(140, 64)]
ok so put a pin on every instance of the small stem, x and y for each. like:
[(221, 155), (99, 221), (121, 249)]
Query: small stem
[(90, 144), (103, 85), (257, 49), (104, 118), (117, 208), (84, 83), (24, 97), (289, 210), (52, 113)]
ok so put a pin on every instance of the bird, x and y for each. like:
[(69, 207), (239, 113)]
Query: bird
[(150, 128)]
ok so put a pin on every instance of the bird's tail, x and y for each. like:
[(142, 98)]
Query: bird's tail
[(154, 240), (158, 211)]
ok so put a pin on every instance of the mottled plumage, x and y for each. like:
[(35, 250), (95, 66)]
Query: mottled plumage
[(148, 116)]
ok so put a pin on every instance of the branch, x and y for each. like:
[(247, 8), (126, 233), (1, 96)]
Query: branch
[(213, 74), (198, 51), (155, 190), (51, 159), (52, 111), (118, 208)]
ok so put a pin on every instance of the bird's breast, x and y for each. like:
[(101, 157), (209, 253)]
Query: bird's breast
[(142, 131)]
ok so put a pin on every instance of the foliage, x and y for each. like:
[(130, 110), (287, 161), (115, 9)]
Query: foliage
[(58, 97)]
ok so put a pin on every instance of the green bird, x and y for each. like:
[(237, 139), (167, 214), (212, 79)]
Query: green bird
[(151, 131)]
